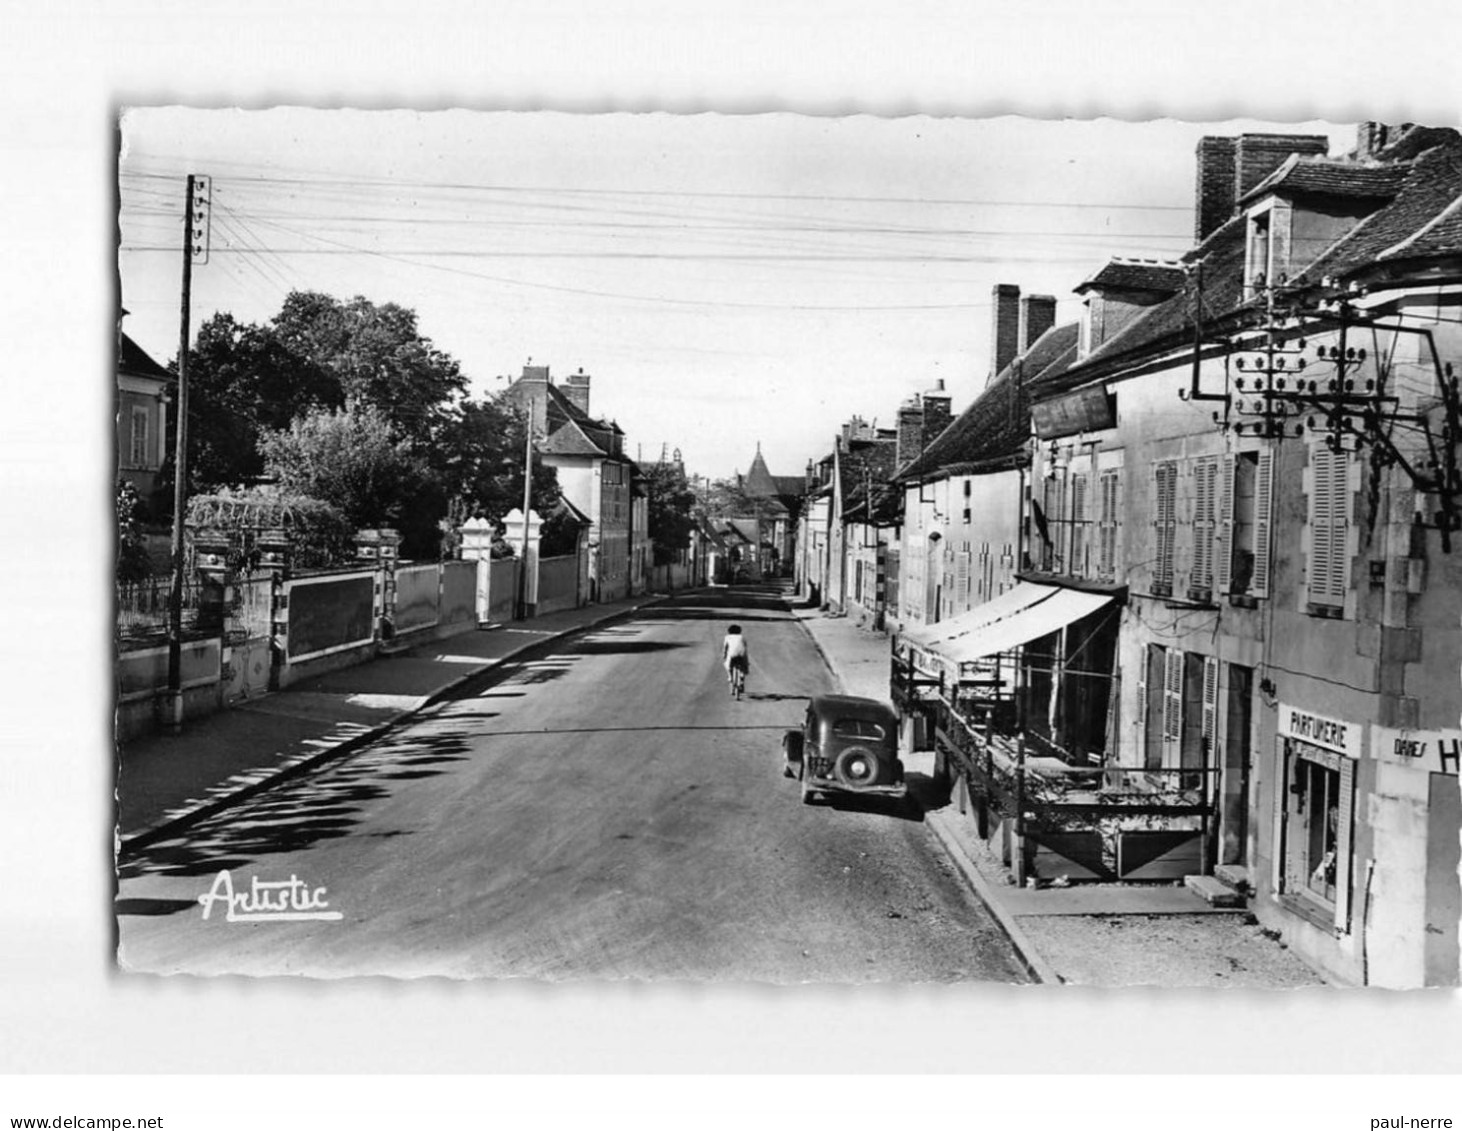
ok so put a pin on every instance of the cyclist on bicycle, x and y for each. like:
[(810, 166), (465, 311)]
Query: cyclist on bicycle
[(735, 656)]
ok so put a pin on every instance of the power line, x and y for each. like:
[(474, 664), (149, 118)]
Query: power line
[(687, 193)]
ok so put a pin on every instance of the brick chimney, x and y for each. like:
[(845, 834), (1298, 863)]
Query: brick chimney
[(1214, 194), (910, 440), (576, 389), (1228, 167), (532, 390), (1037, 315), (1258, 155), (1004, 326), (937, 414)]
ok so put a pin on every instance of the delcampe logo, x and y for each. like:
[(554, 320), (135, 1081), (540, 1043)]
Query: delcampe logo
[(267, 901)]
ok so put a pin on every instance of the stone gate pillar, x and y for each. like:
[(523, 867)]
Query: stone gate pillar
[(477, 535), (524, 538)]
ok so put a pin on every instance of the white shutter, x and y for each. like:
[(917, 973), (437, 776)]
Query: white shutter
[(1172, 716), (1165, 484), (1223, 541), (962, 581), (1205, 483), (1078, 526), (1329, 514), (1263, 522), (1209, 727), (1343, 845), (1281, 805), (1107, 549)]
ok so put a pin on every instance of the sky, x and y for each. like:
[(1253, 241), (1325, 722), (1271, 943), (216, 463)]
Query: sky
[(728, 281)]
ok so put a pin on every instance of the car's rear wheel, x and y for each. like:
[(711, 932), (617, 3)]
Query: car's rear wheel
[(856, 767), (808, 793)]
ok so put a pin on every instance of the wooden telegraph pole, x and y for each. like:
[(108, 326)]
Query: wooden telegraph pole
[(195, 243)]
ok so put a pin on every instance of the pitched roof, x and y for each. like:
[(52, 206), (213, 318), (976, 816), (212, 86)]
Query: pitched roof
[(993, 431), (1417, 219), (759, 482), (1442, 236), (1433, 182), (570, 440), (790, 486), (133, 359), (1328, 176), (1123, 273)]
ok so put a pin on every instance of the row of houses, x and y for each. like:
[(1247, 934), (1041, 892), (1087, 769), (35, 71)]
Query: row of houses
[(1181, 590)]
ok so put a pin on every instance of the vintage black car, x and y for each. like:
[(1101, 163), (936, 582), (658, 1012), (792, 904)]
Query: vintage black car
[(845, 744)]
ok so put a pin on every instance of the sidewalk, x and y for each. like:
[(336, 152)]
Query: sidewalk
[(170, 781), (1096, 934)]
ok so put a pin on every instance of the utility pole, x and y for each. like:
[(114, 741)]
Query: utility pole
[(195, 227), (527, 503)]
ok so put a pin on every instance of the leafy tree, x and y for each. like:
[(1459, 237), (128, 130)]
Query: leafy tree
[(376, 356), (671, 509), (242, 381), (479, 458), (350, 459)]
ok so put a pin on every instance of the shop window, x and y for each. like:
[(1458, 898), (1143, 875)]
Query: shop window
[(1318, 815)]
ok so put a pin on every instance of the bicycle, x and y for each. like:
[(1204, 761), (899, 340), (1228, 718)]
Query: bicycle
[(738, 680)]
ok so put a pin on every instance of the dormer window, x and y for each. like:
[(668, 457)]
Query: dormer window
[(1258, 266)]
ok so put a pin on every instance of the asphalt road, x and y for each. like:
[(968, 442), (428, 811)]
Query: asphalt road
[(600, 810)]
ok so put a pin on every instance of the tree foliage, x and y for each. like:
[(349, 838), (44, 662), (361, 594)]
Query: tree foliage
[(349, 458), (376, 356), (348, 401), (671, 509), (133, 561)]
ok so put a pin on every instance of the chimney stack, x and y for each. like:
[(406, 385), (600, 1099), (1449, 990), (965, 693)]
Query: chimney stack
[(1228, 167), (1037, 315), (936, 416), (576, 389), (1004, 326)]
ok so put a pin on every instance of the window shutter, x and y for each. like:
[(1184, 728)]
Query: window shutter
[(139, 438), (1172, 720), (1107, 549), (1206, 482), (1150, 757), (1165, 486), (1329, 513), (1223, 541), (1263, 521), (1343, 845), (1078, 525), (962, 580), (1281, 805), (1210, 712)]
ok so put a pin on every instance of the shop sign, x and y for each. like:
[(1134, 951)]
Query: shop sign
[(1318, 730), (1434, 751)]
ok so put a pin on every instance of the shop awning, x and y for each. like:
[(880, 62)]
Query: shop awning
[(1019, 615), (1022, 595)]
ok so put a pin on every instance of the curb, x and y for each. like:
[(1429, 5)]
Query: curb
[(1038, 968), (827, 661), (169, 826)]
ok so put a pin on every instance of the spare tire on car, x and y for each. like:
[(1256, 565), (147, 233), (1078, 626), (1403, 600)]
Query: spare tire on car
[(855, 767)]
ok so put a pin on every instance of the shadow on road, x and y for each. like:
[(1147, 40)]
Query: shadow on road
[(293, 816), (924, 794)]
